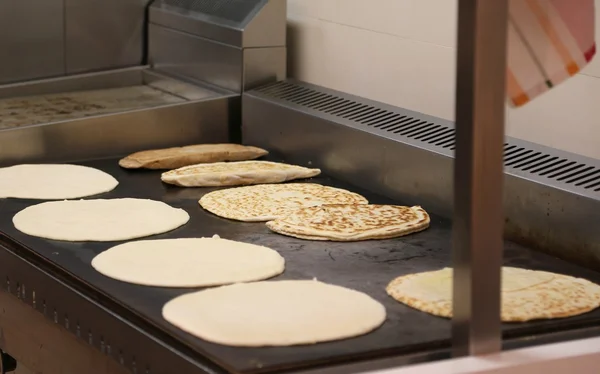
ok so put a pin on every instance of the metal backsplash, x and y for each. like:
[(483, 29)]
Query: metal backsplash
[(552, 198), (232, 44), (52, 38)]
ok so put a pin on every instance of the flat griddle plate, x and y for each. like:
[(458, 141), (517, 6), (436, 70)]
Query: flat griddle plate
[(364, 266)]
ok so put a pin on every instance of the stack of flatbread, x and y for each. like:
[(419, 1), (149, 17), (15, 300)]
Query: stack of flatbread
[(221, 174), (173, 158), (267, 202), (526, 294), (351, 222)]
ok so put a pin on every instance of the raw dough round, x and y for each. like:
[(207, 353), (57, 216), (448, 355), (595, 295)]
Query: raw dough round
[(53, 181), (275, 313), (197, 262), (99, 220)]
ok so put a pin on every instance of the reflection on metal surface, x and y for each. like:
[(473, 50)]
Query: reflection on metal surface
[(551, 197), (35, 110), (31, 39), (51, 38), (103, 35), (239, 23), (142, 110), (185, 55), (233, 44), (478, 176)]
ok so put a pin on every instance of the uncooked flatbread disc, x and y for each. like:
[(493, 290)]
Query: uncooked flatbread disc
[(267, 202), (195, 262), (53, 181), (275, 313), (526, 294), (240, 173), (99, 220), (353, 222)]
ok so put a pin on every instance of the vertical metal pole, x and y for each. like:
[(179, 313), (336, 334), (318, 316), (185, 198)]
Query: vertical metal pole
[(478, 175)]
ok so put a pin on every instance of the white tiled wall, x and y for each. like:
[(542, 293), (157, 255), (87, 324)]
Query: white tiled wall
[(402, 52)]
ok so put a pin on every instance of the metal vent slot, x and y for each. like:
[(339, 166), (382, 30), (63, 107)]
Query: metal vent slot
[(595, 176), (564, 164), (319, 101), (431, 127), (523, 158), (433, 130), (412, 126), (326, 103), (517, 156), (360, 113), (301, 96), (346, 109), (382, 117), (230, 10), (550, 165), (335, 106), (565, 171), (444, 139), (391, 124), (511, 150), (331, 105), (293, 94), (404, 126), (385, 120), (347, 112), (281, 89), (312, 99), (341, 106), (438, 135), (529, 160), (577, 174), (418, 126), (367, 115), (545, 160)]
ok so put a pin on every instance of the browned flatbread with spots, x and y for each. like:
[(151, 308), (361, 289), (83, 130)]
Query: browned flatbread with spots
[(173, 158), (241, 173), (266, 202), (526, 294), (345, 222)]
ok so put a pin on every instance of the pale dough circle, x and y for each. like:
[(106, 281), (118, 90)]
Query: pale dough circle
[(194, 262), (275, 313), (53, 181), (99, 220)]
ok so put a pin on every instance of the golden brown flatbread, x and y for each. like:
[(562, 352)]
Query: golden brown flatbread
[(173, 158), (351, 222), (526, 294), (266, 202), (241, 173)]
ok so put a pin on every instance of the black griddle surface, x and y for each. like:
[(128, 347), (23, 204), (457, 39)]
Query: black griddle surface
[(364, 266)]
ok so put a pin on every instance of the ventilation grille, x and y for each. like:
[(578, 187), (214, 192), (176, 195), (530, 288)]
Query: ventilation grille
[(230, 10), (442, 137)]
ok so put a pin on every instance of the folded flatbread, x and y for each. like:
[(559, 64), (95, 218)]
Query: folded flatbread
[(241, 173), (173, 158)]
